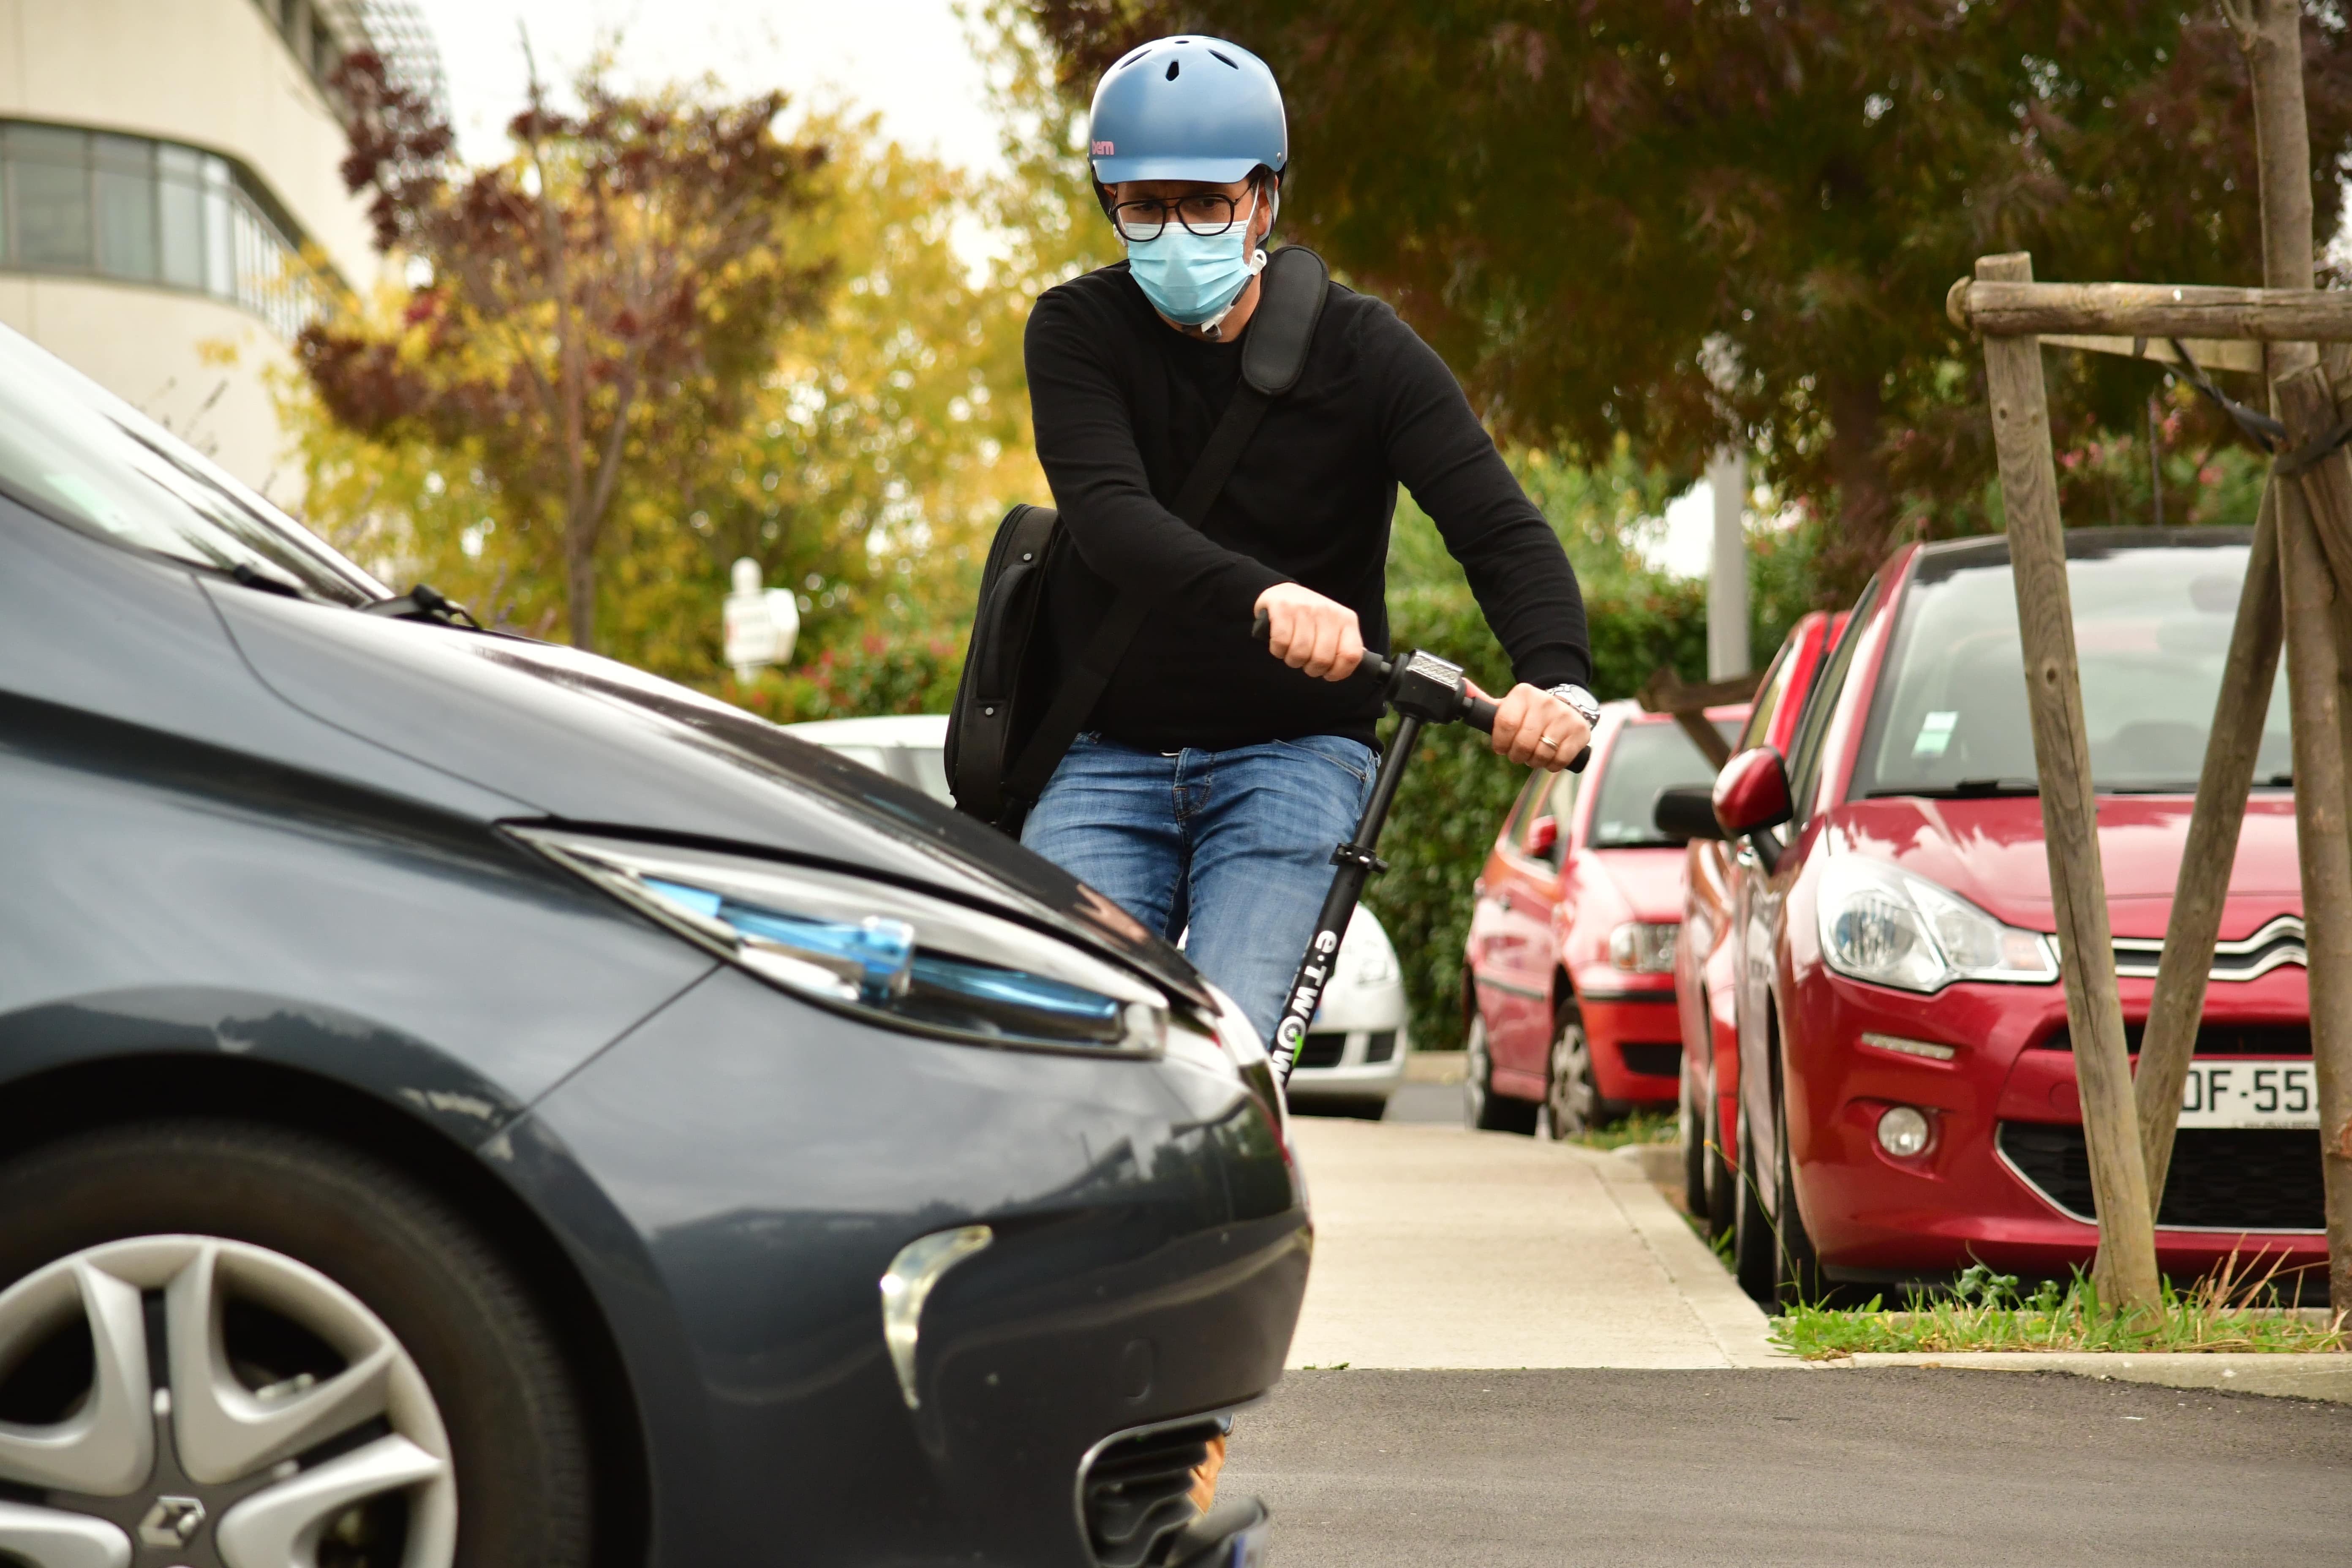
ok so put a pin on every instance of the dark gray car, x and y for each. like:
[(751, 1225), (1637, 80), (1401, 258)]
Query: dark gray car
[(463, 1100)]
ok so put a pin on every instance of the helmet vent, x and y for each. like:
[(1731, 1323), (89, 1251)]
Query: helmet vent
[(1173, 67), (1132, 57), (1227, 62)]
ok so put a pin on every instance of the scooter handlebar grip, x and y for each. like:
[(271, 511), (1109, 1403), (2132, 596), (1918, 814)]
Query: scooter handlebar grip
[(1262, 628), (1575, 764), (1479, 713)]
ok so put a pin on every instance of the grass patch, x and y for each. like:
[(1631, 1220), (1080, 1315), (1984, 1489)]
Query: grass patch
[(1638, 1127), (1986, 1311)]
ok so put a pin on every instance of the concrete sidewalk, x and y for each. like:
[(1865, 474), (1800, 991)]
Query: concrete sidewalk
[(1436, 1247)]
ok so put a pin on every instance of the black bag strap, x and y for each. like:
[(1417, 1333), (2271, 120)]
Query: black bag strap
[(1293, 287)]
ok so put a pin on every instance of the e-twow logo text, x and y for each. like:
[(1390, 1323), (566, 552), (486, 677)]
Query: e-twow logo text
[(1103, 150)]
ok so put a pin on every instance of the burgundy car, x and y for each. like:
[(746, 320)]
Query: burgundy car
[(1568, 990), (1704, 954), (1906, 1098)]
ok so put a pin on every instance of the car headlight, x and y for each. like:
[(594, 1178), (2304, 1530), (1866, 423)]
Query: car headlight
[(910, 960), (1643, 948), (1891, 928)]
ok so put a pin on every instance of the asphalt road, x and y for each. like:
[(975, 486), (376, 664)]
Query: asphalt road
[(1431, 1469)]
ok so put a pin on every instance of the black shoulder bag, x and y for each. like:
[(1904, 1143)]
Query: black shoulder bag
[(1016, 713)]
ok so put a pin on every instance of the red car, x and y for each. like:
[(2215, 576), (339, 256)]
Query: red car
[(1567, 986), (1907, 1101), (1705, 955)]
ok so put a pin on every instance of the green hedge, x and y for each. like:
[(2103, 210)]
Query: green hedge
[(1455, 790)]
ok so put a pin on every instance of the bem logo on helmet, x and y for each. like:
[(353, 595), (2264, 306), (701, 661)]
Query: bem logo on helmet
[(1104, 150)]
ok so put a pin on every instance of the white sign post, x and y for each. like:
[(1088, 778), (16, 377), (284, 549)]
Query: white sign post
[(762, 625)]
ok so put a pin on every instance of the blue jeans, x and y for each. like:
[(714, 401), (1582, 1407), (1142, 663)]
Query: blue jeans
[(1237, 843)]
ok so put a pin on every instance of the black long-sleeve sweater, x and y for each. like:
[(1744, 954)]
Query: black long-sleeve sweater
[(1123, 405)]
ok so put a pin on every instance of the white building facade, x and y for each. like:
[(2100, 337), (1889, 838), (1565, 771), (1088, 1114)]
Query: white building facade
[(164, 164)]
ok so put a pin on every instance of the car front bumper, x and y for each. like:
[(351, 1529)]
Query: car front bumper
[(760, 1163), (1876, 1217)]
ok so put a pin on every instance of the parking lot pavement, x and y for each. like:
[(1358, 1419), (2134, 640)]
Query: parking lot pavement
[(1428, 1469), (1436, 1247)]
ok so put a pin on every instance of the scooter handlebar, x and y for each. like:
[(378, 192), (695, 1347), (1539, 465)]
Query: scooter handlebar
[(1476, 711)]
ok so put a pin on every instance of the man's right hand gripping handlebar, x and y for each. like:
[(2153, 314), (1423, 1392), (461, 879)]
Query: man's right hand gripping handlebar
[(1423, 685)]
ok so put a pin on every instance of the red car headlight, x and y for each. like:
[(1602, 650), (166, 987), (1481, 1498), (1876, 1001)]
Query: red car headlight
[(1885, 925)]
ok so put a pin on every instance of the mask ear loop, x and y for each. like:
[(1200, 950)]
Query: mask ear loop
[(1214, 328)]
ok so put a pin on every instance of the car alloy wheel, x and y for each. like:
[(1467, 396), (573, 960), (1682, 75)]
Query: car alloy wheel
[(228, 1344), (1571, 1095), (314, 1426), (1483, 1110)]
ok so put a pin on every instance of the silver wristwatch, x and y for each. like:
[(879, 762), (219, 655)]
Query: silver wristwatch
[(1583, 701)]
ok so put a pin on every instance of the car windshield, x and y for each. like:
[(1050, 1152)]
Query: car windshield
[(1645, 758), (2152, 620), (77, 454)]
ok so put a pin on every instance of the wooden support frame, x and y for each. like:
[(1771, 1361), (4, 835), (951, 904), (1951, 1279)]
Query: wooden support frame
[(2126, 1269), (1664, 692), (2298, 598)]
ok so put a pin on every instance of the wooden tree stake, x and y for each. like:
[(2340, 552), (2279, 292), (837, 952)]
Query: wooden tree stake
[(2315, 512), (2126, 1269), (2240, 709)]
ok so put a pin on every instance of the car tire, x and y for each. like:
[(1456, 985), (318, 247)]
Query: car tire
[(360, 1331), (1722, 1182), (1483, 1110), (1752, 1252), (1690, 1126), (1572, 1093), (1797, 1273)]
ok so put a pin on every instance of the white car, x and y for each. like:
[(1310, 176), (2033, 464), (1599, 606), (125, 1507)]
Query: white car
[(1354, 1058)]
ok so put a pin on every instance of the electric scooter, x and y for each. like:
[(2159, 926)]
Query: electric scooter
[(1424, 689)]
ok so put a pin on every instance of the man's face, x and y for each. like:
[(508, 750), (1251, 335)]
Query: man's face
[(1260, 215)]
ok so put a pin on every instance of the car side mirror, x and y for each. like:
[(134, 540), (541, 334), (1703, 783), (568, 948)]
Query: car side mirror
[(1686, 812), (1543, 834), (1751, 793)]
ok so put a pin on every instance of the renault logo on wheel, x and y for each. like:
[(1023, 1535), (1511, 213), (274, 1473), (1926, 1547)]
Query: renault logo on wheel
[(173, 1521)]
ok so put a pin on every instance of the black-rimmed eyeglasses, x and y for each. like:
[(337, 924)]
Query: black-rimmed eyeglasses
[(1208, 214)]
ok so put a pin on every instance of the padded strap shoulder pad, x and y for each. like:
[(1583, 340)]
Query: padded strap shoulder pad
[(1291, 290)]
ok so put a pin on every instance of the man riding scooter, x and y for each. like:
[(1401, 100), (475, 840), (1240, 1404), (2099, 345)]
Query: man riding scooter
[(1210, 781)]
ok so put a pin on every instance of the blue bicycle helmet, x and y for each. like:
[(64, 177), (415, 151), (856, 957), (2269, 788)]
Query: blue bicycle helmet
[(1187, 109)]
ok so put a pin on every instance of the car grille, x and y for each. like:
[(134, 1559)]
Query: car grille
[(1380, 1046), (2249, 1178), (1137, 1494), (1652, 1061), (2215, 1039), (2281, 941), (1321, 1051)]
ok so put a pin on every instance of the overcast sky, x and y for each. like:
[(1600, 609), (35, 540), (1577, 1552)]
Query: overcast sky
[(907, 58)]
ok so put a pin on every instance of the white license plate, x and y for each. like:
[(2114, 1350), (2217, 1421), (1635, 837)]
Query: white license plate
[(2248, 1091)]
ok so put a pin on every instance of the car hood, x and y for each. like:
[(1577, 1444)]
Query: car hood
[(1649, 881), (590, 742), (1990, 852)]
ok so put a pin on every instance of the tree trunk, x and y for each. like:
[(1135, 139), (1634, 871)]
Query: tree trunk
[(1865, 515), (2315, 547), (2270, 34), (580, 590)]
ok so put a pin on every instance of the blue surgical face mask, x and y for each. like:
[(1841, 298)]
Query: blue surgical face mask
[(1193, 279)]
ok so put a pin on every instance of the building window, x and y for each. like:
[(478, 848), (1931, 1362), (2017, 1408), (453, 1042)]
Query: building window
[(149, 212)]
